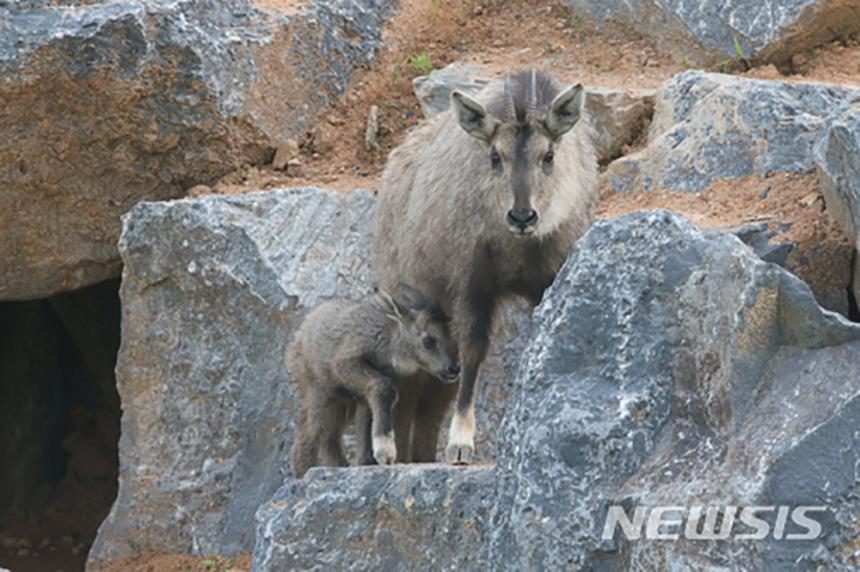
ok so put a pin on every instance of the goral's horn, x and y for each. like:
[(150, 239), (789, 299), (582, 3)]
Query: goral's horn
[(531, 107), (510, 110)]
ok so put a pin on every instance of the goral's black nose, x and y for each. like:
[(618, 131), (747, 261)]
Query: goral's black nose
[(522, 218), (454, 370)]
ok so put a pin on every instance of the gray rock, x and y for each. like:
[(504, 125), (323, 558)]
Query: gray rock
[(411, 517), (837, 157), (212, 290), (705, 32), (711, 126), (434, 90), (618, 117), (109, 103), (669, 367)]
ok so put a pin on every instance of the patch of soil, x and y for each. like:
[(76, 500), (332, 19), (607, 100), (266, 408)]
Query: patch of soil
[(836, 62), (181, 563), (59, 534), (282, 6), (790, 204), (498, 35), (776, 199)]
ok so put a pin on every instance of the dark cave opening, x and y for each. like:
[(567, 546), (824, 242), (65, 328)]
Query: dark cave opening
[(59, 426)]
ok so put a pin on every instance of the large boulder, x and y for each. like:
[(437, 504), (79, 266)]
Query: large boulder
[(618, 116), (709, 126), (104, 104), (837, 156), (666, 366), (707, 32), (212, 290), (418, 517)]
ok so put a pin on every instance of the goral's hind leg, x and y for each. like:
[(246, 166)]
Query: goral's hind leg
[(431, 408)]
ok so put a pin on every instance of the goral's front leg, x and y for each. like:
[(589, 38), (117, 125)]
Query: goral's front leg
[(473, 350), (461, 438)]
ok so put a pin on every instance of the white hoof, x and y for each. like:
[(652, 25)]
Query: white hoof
[(461, 438), (384, 449), (459, 454)]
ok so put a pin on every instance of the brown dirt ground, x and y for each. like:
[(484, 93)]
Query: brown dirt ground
[(732, 202), (57, 535), (836, 62), (499, 35), (282, 6), (496, 34)]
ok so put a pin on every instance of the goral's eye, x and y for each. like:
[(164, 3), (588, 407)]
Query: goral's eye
[(429, 342), (495, 158), (548, 158)]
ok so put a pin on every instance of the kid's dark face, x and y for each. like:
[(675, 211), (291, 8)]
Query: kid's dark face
[(435, 351)]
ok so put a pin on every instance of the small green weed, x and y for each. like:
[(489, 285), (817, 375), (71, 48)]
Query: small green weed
[(421, 62)]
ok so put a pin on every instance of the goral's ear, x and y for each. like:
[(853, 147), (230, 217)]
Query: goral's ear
[(473, 117), (564, 111)]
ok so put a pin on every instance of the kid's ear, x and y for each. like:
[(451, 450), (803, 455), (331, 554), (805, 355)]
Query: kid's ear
[(410, 297), (394, 310)]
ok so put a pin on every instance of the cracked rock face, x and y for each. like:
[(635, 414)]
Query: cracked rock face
[(709, 127), (670, 367), (706, 32), (105, 104), (212, 291), (837, 157)]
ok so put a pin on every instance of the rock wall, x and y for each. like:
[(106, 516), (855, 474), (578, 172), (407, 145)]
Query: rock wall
[(666, 366), (706, 32), (701, 376), (711, 126), (378, 519), (105, 104), (212, 290)]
